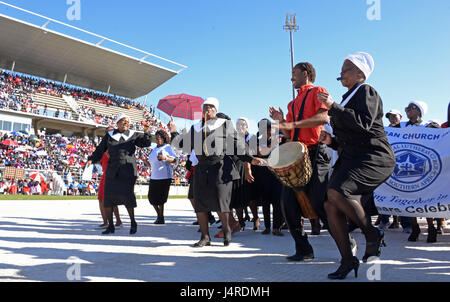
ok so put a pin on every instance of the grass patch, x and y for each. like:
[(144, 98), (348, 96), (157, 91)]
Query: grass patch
[(52, 197)]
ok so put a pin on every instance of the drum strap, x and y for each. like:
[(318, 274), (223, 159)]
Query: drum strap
[(300, 116)]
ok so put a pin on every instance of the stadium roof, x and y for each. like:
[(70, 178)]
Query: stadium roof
[(39, 51)]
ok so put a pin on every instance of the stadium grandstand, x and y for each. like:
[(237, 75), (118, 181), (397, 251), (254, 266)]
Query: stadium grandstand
[(57, 90)]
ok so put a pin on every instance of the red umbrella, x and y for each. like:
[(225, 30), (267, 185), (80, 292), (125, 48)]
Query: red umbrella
[(182, 105), (38, 176), (9, 142)]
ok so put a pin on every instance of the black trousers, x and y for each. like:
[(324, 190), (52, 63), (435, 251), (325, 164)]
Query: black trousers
[(272, 196), (316, 192), (293, 215)]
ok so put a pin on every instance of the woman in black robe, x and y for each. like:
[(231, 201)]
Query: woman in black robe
[(215, 142), (121, 175), (365, 160)]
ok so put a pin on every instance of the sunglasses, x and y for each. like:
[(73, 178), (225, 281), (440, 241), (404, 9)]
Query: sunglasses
[(411, 107)]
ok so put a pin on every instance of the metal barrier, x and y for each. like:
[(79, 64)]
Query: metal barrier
[(58, 188)]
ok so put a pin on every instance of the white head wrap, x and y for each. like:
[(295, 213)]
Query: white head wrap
[(423, 107), (244, 119), (121, 116), (363, 61), (212, 101)]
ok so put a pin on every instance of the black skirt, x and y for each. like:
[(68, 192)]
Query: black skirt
[(120, 191), (347, 175), (240, 196), (255, 189), (191, 188), (209, 193), (158, 191)]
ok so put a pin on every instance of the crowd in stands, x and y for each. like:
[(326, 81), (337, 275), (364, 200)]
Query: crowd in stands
[(16, 93), (67, 157)]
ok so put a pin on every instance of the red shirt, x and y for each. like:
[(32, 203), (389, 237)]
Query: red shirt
[(308, 136)]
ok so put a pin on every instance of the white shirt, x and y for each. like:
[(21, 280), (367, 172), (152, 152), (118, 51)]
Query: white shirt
[(422, 124), (161, 169)]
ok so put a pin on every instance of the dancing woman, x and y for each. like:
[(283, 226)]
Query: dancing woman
[(215, 171), (365, 160), (121, 174), (160, 160)]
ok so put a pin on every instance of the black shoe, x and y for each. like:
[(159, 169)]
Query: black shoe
[(211, 220), (415, 233), (315, 226), (376, 245), (300, 257), (133, 229), (242, 225), (227, 239), (277, 232), (266, 231), (432, 234), (284, 226), (109, 230), (203, 242), (195, 222), (394, 225), (160, 220), (344, 270)]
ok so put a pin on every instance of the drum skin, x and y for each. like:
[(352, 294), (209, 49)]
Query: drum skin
[(291, 165)]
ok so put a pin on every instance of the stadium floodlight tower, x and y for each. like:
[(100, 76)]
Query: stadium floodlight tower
[(292, 27)]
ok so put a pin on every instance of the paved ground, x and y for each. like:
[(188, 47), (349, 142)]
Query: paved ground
[(39, 240)]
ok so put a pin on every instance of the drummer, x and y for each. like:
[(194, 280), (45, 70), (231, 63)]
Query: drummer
[(303, 123)]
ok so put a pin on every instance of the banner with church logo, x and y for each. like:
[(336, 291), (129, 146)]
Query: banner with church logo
[(420, 184)]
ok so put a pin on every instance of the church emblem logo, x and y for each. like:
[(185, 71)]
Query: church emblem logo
[(416, 167)]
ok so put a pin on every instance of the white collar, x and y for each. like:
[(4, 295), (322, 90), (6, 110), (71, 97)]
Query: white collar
[(212, 124), (352, 94), (118, 135)]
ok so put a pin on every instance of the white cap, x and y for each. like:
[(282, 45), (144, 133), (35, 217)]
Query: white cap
[(363, 61), (122, 116), (212, 101), (423, 107), (244, 119), (395, 112)]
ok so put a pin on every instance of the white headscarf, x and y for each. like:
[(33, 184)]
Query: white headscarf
[(423, 107), (363, 61), (121, 116), (244, 119), (212, 101)]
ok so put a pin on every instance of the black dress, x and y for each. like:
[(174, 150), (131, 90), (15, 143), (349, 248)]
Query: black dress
[(366, 159), (215, 171), (241, 194), (121, 175)]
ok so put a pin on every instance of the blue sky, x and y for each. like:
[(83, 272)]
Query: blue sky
[(237, 51)]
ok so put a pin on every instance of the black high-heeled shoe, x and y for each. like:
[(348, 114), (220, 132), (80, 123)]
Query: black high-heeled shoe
[(415, 233), (377, 244), (109, 230), (203, 242), (432, 235), (242, 225), (227, 239), (133, 229), (344, 270)]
